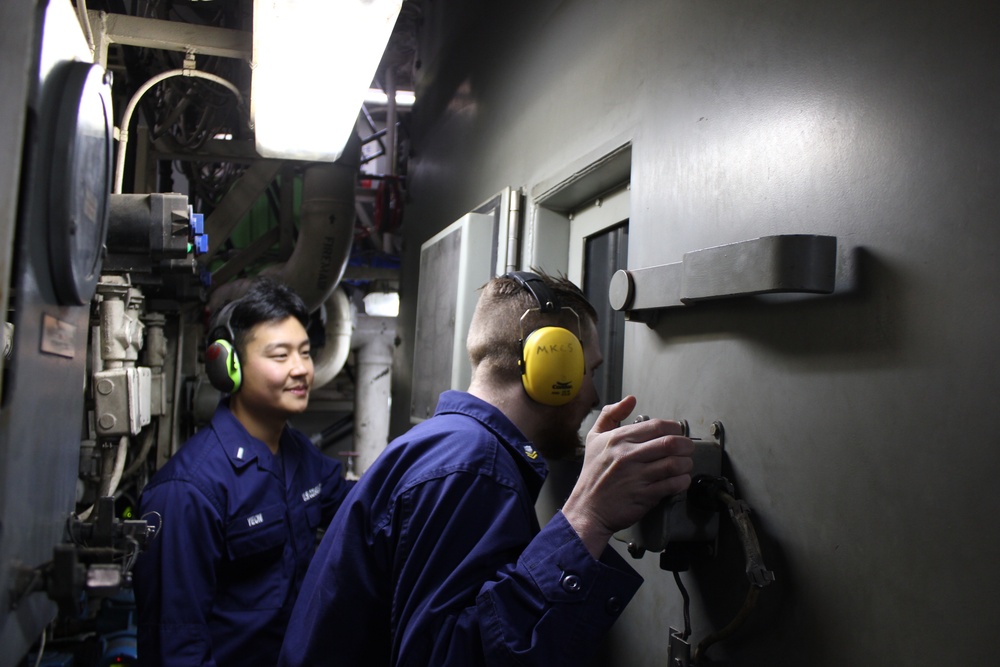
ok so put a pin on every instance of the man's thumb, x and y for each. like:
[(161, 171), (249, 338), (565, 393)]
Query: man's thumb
[(612, 415)]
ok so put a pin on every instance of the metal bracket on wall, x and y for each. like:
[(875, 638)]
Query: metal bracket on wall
[(678, 650), (784, 263)]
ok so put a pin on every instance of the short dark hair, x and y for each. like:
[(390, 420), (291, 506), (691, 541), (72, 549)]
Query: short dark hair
[(267, 300)]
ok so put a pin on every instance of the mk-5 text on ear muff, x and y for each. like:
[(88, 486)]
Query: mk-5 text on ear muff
[(222, 364), (552, 364)]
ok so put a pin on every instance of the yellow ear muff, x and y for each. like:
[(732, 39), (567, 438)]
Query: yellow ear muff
[(552, 366)]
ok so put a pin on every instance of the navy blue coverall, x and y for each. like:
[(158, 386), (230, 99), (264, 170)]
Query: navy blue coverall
[(238, 528), (436, 559)]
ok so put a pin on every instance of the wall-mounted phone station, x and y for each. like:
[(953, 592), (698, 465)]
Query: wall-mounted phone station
[(685, 527), (675, 527)]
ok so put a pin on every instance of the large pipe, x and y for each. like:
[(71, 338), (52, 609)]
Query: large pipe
[(330, 359), (374, 340), (326, 233)]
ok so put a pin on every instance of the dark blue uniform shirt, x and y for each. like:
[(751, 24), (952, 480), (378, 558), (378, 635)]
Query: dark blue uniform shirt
[(217, 584), (436, 559)]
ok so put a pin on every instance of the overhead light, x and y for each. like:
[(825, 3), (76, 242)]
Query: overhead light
[(313, 61)]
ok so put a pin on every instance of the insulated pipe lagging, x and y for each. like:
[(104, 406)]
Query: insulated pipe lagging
[(374, 343), (326, 228), (330, 359), (326, 233)]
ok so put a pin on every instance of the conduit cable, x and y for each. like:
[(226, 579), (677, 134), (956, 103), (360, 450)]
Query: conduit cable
[(716, 493), (143, 89)]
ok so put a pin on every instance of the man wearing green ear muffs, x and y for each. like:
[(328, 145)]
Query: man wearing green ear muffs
[(238, 507)]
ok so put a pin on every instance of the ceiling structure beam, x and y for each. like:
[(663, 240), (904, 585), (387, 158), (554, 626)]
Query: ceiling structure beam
[(169, 35)]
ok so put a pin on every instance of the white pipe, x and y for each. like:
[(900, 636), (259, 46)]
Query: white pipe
[(116, 474), (330, 359), (513, 230), (326, 233), (110, 484), (88, 32), (374, 341), (148, 435), (41, 648), (132, 103)]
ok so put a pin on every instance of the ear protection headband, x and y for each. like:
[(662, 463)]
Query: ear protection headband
[(552, 365), (222, 364)]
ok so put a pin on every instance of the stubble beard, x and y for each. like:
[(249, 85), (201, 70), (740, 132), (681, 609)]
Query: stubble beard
[(558, 440)]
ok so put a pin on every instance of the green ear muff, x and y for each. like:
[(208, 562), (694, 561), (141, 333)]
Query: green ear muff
[(222, 365), (552, 366)]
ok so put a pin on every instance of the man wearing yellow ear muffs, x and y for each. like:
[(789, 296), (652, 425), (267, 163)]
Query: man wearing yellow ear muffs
[(437, 558)]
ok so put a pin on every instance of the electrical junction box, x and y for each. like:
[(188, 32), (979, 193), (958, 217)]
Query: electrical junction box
[(122, 400), (675, 520)]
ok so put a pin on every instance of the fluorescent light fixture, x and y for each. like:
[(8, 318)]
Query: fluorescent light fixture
[(313, 61)]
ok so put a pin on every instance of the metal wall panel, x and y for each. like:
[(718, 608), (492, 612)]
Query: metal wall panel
[(857, 423), (41, 417), (453, 266)]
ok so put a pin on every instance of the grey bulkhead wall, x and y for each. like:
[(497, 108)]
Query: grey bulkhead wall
[(859, 425)]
